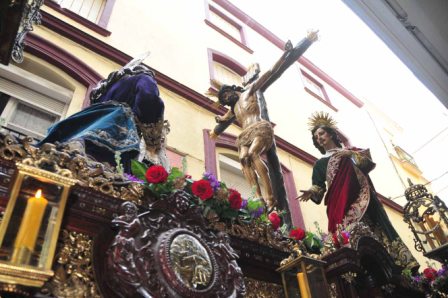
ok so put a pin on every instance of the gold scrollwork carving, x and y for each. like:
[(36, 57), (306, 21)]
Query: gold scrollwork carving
[(73, 269), (261, 289), (332, 289), (349, 277), (257, 232), (69, 161)]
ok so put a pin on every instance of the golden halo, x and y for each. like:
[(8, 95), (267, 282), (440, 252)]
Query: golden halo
[(321, 119)]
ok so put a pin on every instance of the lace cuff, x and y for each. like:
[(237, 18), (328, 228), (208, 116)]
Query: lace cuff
[(317, 193), (153, 133)]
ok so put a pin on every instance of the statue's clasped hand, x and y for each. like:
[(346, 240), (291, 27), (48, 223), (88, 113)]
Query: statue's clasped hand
[(344, 153)]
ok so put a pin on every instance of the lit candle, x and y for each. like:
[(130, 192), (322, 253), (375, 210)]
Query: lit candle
[(303, 286), (30, 225), (438, 232), (428, 237)]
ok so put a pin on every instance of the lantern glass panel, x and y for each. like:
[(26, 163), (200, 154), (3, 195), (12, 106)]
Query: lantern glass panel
[(316, 280), (438, 227), (32, 221), (291, 284), (426, 238), (304, 277)]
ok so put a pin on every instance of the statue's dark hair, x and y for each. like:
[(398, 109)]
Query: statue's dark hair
[(226, 88), (113, 77), (333, 134)]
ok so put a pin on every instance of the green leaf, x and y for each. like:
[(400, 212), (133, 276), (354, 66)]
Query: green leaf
[(244, 212), (253, 205), (407, 272), (229, 213), (208, 203), (284, 229), (312, 242), (206, 210), (264, 218), (175, 173), (164, 188), (138, 169), (222, 185)]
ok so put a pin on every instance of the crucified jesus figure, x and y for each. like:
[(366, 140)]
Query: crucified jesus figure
[(257, 136)]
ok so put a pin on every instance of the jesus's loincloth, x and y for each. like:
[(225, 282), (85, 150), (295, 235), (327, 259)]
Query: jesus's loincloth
[(263, 130)]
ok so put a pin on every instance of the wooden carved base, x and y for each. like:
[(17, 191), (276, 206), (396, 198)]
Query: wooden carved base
[(368, 271), (167, 251)]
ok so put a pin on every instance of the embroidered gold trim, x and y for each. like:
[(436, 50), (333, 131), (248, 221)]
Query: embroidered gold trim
[(359, 206)]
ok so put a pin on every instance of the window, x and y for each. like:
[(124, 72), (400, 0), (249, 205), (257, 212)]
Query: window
[(225, 75), (224, 24), (88, 9), (30, 104), (230, 171), (231, 174), (29, 118), (404, 156), (222, 21), (94, 14), (224, 69), (316, 89), (175, 158), (312, 86)]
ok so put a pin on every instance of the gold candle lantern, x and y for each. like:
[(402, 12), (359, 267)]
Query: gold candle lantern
[(30, 228), (304, 277), (427, 217)]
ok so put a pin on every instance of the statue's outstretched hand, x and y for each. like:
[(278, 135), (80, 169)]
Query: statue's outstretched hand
[(305, 196)]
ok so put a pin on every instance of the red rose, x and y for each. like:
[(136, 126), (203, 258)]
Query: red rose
[(336, 241), (156, 174), (202, 189), (235, 199), (275, 220), (297, 234), (430, 273)]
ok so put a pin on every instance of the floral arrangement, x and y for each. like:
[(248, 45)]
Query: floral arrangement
[(341, 238), (333, 241), (216, 198), (430, 280), (212, 195), (311, 242)]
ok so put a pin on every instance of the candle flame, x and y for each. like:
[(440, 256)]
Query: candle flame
[(38, 193)]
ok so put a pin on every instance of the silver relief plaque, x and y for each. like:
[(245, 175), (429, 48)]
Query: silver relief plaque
[(191, 262)]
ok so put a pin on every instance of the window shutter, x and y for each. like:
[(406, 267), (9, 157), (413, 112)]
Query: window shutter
[(43, 102)]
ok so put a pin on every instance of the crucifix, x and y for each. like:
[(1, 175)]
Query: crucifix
[(248, 106)]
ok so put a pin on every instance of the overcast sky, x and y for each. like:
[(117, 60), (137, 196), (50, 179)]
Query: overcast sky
[(356, 58)]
